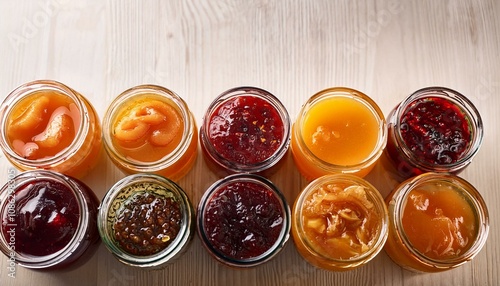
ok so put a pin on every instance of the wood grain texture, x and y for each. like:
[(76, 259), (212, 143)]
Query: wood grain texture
[(199, 49)]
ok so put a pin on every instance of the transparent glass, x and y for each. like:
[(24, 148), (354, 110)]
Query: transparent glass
[(75, 160), (125, 192), (85, 232), (174, 162), (344, 210), (312, 165), (252, 122), (404, 159), (254, 210), (405, 250)]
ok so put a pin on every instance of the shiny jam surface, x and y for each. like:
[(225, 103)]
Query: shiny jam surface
[(147, 128), (438, 221), (42, 124), (339, 221), (246, 130), (47, 216), (340, 130), (147, 223), (435, 130), (243, 220)]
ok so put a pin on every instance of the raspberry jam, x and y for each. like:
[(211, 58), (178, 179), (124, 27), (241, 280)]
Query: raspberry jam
[(243, 220), (245, 129), (434, 130)]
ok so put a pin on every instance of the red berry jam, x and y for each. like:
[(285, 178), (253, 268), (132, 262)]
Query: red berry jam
[(242, 220), (47, 216), (435, 130), (246, 130)]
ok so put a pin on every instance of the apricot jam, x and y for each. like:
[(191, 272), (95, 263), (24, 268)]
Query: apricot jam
[(243, 220), (433, 130), (437, 222), (339, 222), (244, 130)]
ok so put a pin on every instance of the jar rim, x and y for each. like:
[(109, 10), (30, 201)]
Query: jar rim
[(164, 94), (229, 94), (249, 178), (105, 226), (374, 196), (469, 111), (467, 190), (27, 89), (367, 102)]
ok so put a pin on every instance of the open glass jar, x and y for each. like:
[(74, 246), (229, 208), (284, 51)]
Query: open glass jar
[(436, 222), (49, 220), (47, 125), (150, 129), (435, 129), (338, 130), (339, 222), (146, 220), (245, 130), (243, 220)]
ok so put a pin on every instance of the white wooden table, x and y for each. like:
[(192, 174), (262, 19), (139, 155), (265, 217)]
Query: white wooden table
[(199, 49)]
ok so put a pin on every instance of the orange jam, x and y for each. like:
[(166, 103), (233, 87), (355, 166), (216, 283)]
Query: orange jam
[(42, 124)]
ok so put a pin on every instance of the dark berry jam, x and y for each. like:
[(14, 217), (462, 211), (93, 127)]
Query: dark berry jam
[(246, 130), (435, 130), (147, 223), (243, 220), (47, 217)]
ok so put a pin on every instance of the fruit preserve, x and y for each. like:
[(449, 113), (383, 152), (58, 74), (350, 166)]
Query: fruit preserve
[(437, 222), (150, 129), (245, 129), (434, 130), (47, 125), (243, 220), (145, 220), (339, 222), (48, 219), (338, 130)]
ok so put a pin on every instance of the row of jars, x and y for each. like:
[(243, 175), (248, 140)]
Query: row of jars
[(247, 131)]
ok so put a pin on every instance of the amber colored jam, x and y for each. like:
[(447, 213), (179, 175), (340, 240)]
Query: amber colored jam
[(147, 223), (42, 124), (246, 130), (339, 221), (47, 216), (243, 220)]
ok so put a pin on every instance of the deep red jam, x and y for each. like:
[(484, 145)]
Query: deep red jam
[(47, 216), (246, 130), (243, 220), (435, 130)]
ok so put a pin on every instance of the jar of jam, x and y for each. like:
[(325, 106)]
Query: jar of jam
[(245, 129), (436, 222), (47, 125), (338, 130), (339, 222), (435, 129), (150, 129), (146, 220), (243, 220), (48, 219)]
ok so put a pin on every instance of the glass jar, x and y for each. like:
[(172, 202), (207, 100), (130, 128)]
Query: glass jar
[(243, 220), (435, 129), (150, 129), (245, 130), (47, 125), (48, 219), (338, 130), (436, 222), (146, 220), (339, 222)]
